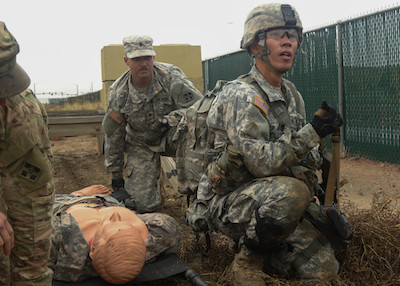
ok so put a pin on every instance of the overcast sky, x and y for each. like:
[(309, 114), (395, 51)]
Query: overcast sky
[(61, 40)]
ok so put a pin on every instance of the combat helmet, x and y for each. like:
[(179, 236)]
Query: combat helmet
[(268, 17), (13, 79)]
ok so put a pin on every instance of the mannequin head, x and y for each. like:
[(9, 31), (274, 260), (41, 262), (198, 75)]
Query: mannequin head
[(118, 251)]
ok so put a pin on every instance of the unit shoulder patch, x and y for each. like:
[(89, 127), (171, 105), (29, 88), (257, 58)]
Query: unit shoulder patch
[(261, 104), (30, 172)]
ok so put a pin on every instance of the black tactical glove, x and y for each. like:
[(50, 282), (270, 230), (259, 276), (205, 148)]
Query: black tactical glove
[(326, 120), (118, 186)]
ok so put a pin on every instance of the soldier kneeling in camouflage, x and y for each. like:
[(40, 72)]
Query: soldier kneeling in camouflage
[(261, 184), (95, 235)]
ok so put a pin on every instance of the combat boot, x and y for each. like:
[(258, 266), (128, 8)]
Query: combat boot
[(246, 270)]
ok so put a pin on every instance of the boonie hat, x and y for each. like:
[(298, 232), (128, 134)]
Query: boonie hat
[(13, 79), (138, 46)]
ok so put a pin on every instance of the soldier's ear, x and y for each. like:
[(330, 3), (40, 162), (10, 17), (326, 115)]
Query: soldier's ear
[(126, 60), (255, 48)]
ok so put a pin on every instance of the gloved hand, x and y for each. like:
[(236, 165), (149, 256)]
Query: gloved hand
[(230, 159), (118, 186), (156, 131), (326, 120)]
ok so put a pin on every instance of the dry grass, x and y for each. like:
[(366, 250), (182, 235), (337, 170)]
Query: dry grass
[(86, 105), (372, 258)]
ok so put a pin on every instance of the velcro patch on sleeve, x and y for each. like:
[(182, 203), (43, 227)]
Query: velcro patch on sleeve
[(261, 104), (116, 117)]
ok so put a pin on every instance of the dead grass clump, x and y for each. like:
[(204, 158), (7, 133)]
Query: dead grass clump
[(372, 258), (212, 264)]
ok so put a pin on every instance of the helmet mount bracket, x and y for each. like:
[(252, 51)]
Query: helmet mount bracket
[(288, 15)]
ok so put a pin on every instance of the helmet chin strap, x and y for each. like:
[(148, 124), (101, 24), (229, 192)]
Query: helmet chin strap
[(264, 53)]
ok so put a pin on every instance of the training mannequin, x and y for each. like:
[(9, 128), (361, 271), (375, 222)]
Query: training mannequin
[(106, 239)]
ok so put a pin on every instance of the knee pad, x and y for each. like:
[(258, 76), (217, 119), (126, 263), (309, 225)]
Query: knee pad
[(269, 229), (271, 233)]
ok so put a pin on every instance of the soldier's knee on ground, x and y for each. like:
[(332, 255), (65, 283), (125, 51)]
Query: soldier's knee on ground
[(271, 233), (246, 269), (323, 265)]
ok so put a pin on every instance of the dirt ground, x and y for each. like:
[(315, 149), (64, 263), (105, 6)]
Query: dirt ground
[(78, 163)]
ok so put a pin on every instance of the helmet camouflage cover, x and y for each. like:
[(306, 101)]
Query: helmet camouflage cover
[(268, 17)]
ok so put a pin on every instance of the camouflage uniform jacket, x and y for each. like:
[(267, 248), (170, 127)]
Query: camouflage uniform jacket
[(69, 256), (131, 115), (240, 116), (23, 126)]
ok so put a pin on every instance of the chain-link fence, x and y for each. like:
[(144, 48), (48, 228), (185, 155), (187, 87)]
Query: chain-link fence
[(354, 66)]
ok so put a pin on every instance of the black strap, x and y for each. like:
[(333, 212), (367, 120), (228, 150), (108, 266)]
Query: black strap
[(208, 241), (281, 113)]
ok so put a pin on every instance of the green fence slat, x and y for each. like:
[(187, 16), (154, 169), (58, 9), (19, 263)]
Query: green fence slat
[(371, 79)]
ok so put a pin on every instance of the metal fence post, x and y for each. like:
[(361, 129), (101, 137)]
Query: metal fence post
[(340, 81), (206, 76)]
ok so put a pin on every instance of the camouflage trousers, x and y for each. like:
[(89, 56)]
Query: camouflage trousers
[(282, 200), (29, 213), (143, 169)]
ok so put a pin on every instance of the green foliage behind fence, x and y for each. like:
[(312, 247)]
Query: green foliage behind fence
[(365, 80)]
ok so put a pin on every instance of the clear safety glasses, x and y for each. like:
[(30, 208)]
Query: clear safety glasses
[(278, 34)]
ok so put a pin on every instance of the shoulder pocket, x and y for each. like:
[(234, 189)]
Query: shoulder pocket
[(33, 170), (111, 122), (16, 149), (24, 159)]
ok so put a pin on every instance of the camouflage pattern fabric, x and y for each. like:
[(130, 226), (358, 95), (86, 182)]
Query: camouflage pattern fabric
[(70, 251), (266, 17), (240, 116), (284, 160), (131, 125), (27, 189), (138, 46), (143, 169), (164, 233), (281, 197)]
